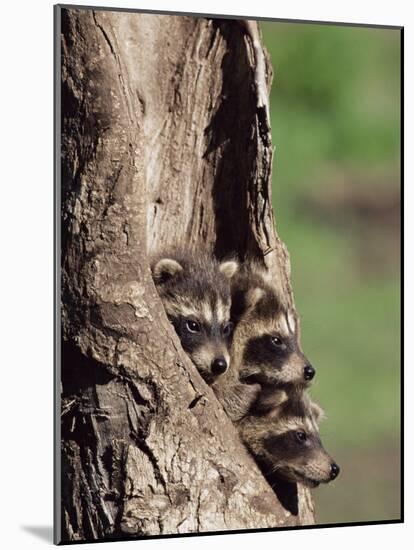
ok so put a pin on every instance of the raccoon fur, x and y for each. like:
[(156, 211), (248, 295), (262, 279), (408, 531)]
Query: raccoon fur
[(265, 348), (288, 445), (235, 397), (195, 291)]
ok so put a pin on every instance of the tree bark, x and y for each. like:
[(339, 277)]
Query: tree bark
[(163, 143)]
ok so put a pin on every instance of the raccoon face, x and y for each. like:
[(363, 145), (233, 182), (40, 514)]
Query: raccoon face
[(290, 446), (296, 453), (271, 354), (196, 297), (206, 342)]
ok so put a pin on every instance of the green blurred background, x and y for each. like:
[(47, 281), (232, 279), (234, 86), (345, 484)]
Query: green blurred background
[(335, 111)]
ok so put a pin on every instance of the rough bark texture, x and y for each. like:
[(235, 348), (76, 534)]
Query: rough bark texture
[(163, 143)]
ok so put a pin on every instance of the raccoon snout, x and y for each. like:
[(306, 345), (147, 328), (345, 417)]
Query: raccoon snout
[(219, 365), (308, 372), (334, 471)]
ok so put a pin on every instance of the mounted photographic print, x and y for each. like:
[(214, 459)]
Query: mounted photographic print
[(227, 274)]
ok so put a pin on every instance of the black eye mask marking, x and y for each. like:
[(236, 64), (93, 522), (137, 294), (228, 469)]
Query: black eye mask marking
[(277, 342), (227, 329), (290, 445), (190, 332), (194, 334), (263, 351), (193, 327)]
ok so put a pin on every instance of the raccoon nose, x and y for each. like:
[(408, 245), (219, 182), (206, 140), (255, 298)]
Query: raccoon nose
[(308, 372), (334, 470), (219, 365)]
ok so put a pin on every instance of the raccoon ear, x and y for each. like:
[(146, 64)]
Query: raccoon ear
[(291, 319), (166, 269), (317, 412), (229, 268), (252, 296)]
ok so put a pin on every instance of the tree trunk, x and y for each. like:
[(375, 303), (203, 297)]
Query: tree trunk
[(163, 142)]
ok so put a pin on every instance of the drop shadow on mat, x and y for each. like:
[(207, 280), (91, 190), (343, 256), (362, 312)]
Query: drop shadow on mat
[(43, 532)]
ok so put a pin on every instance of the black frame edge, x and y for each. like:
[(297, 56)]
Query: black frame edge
[(56, 273)]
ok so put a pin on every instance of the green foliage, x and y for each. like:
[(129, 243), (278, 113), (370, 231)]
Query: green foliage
[(335, 109)]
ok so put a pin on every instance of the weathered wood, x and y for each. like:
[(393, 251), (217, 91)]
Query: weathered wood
[(163, 143)]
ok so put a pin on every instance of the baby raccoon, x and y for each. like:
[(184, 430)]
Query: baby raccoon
[(195, 291), (267, 362), (265, 347), (288, 446)]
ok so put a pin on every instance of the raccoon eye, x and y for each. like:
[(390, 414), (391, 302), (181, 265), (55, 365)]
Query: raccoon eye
[(276, 341), (228, 329), (192, 326), (301, 436)]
